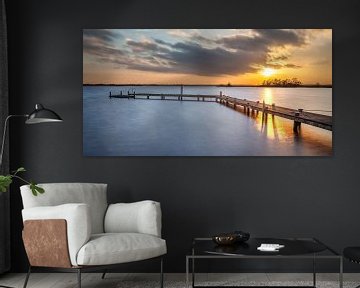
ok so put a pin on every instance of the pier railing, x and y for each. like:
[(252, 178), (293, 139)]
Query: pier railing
[(297, 115)]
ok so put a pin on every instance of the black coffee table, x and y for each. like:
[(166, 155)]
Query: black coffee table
[(295, 248)]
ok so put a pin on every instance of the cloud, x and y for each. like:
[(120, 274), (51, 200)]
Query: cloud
[(192, 58), (145, 46), (279, 66), (262, 40), (290, 65), (279, 37), (101, 51), (180, 33), (100, 43), (201, 39), (100, 35), (279, 61), (215, 61), (278, 58), (192, 53)]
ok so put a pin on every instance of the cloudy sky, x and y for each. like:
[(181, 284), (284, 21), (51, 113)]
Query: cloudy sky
[(206, 56)]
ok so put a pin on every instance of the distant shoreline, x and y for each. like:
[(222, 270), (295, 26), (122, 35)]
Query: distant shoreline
[(194, 85)]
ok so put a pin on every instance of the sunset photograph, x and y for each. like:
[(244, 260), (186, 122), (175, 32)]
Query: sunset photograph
[(207, 92), (158, 144)]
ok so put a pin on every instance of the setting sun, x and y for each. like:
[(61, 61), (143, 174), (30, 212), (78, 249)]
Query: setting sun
[(267, 72)]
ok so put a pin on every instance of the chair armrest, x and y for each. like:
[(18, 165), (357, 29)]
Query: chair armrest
[(78, 223), (138, 217)]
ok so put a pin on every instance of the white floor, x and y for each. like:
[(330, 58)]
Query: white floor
[(115, 280)]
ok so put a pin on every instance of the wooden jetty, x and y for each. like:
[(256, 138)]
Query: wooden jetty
[(166, 96), (298, 116)]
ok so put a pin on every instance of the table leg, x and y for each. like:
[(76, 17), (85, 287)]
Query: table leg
[(187, 272), (314, 271), (341, 273), (193, 267), (193, 272)]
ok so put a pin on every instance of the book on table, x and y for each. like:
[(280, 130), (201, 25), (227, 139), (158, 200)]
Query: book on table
[(270, 247)]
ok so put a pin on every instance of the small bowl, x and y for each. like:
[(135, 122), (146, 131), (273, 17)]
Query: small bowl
[(225, 239), (242, 236)]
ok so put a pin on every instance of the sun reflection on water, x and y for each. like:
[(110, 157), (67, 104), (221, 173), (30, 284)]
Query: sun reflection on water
[(273, 127), (280, 130), (267, 96)]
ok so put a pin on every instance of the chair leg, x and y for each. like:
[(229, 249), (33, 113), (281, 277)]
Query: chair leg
[(27, 277), (103, 275), (161, 272), (79, 277)]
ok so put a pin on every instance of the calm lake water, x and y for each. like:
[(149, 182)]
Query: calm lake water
[(122, 127)]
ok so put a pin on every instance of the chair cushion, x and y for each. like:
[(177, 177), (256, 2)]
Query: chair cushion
[(137, 217), (55, 194), (352, 253), (114, 248)]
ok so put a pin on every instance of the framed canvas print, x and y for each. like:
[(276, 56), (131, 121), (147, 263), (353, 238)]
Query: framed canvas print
[(207, 92)]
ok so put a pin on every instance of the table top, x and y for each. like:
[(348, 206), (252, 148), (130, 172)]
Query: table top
[(293, 247)]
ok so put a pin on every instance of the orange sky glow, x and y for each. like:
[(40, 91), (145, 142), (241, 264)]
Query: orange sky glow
[(206, 56)]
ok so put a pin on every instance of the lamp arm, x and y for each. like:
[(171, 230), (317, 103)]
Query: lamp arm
[(4, 134)]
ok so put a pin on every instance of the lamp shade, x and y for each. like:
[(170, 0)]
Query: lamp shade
[(42, 115)]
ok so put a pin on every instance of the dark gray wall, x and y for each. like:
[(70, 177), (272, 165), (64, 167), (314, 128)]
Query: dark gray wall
[(200, 196)]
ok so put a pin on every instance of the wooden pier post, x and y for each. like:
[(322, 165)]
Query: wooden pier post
[(297, 124), (182, 89), (219, 98)]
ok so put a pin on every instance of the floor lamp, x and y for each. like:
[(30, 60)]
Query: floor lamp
[(39, 115)]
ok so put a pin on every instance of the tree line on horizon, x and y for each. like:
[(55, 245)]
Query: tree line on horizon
[(293, 82)]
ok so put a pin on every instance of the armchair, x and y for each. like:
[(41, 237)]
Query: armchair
[(71, 228)]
